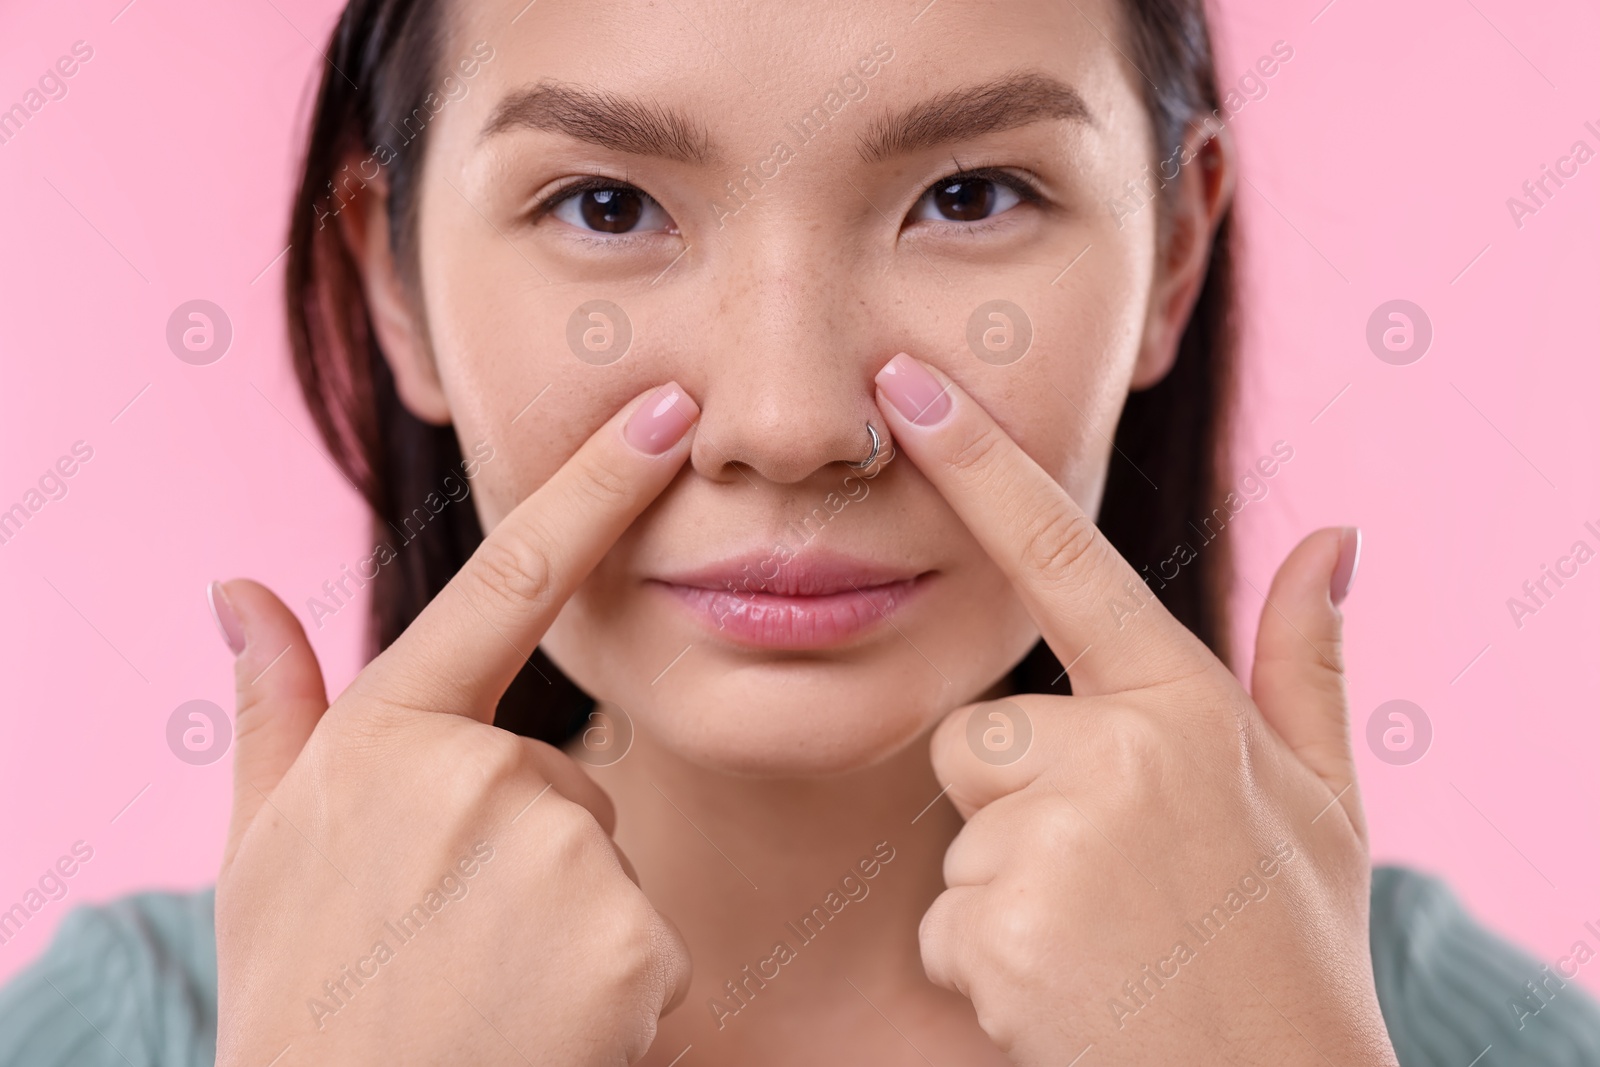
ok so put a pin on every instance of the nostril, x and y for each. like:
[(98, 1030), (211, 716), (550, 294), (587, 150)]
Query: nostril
[(784, 424)]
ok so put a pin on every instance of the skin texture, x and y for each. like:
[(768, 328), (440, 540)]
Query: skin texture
[(1020, 898)]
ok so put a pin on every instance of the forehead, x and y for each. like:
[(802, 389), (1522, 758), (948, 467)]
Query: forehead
[(745, 70)]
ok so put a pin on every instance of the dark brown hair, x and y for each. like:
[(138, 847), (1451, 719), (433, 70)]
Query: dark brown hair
[(378, 91)]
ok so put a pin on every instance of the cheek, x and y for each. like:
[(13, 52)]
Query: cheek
[(1062, 398), (517, 367)]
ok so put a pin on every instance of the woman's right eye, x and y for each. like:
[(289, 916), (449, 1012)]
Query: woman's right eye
[(611, 209)]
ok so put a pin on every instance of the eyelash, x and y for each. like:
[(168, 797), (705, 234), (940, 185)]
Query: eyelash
[(1021, 186), (1026, 191), (581, 185)]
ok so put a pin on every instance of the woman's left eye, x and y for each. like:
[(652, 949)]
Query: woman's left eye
[(611, 209), (968, 198)]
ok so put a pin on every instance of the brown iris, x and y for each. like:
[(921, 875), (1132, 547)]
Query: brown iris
[(968, 200), (611, 210)]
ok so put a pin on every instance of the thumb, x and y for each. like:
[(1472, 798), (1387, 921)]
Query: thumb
[(278, 691), (1298, 677)]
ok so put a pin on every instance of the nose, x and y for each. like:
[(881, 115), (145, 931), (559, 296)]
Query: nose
[(787, 387)]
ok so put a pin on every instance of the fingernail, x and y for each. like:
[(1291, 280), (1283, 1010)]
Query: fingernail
[(661, 421), (226, 619), (1344, 572), (914, 392)]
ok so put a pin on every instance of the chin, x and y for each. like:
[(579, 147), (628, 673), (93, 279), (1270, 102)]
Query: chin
[(789, 720), (786, 714)]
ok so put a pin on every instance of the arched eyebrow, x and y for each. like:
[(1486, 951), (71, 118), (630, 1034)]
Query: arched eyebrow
[(645, 128), (960, 114), (624, 124)]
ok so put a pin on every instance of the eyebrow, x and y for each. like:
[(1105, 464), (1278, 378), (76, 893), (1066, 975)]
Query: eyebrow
[(1004, 104), (602, 118)]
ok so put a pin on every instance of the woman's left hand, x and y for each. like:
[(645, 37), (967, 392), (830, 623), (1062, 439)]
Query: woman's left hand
[(1159, 868)]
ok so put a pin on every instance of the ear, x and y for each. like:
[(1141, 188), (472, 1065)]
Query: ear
[(364, 226), (1207, 170)]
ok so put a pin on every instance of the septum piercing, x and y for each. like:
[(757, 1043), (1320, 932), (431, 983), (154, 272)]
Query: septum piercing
[(877, 443)]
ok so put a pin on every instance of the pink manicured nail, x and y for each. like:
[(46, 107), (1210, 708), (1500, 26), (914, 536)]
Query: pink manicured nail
[(227, 621), (661, 421), (1344, 572), (914, 392)]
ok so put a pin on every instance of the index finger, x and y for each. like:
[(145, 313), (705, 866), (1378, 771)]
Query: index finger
[(1095, 613), (462, 651)]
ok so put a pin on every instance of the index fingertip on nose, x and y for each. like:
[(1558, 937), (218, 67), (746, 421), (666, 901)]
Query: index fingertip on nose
[(661, 420), (919, 397)]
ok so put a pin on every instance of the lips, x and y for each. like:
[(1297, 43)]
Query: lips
[(811, 602)]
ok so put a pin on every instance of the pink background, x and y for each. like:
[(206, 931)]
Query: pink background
[(1379, 164)]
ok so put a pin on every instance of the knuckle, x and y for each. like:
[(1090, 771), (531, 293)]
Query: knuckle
[(934, 930), (1058, 831), (638, 929), (669, 959), (1059, 543), (996, 1020), (571, 836), (1329, 664), (977, 449), (1132, 749), (648, 966), (513, 567), (362, 734), (602, 486), (1021, 938), (497, 755), (937, 942), (252, 715), (472, 760), (637, 941)]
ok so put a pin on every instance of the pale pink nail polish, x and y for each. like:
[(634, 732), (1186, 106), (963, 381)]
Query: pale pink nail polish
[(661, 421), (226, 619), (914, 392), (1344, 572)]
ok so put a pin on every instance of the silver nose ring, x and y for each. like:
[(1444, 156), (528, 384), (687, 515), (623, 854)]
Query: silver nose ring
[(877, 443)]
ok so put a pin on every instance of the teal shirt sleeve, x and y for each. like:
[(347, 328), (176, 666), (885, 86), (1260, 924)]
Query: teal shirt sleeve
[(1454, 993), (128, 984), (134, 983)]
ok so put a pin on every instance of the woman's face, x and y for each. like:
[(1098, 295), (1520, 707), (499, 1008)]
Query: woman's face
[(765, 205)]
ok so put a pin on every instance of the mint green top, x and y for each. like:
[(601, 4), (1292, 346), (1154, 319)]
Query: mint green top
[(134, 984)]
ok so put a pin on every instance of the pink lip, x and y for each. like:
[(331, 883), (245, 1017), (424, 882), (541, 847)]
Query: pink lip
[(811, 602)]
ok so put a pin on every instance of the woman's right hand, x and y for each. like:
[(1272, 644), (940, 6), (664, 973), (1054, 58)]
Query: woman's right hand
[(405, 883)]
